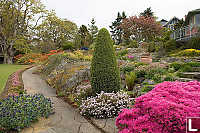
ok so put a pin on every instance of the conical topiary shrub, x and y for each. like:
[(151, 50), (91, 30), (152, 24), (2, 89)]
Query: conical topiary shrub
[(104, 71)]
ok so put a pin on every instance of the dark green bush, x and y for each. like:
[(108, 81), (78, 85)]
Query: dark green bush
[(176, 65), (193, 43), (127, 69), (186, 68), (122, 53), (170, 45), (104, 71), (169, 77), (193, 64), (147, 88), (68, 46), (130, 80), (17, 112)]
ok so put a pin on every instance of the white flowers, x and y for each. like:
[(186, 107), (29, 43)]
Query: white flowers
[(104, 105)]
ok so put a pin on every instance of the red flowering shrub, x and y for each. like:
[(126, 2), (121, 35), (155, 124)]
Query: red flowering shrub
[(162, 110)]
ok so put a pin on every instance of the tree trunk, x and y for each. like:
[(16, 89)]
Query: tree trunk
[(8, 59)]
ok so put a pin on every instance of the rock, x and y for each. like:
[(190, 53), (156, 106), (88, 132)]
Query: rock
[(149, 82), (184, 79)]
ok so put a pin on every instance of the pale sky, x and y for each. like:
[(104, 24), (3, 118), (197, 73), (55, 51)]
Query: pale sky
[(105, 11)]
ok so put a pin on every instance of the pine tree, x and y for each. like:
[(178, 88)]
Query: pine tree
[(147, 13), (116, 31), (93, 29), (104, 71)]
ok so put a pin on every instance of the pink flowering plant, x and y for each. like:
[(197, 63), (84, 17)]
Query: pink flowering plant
[(162, 110)]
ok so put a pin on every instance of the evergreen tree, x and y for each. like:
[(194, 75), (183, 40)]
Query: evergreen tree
[(104, 71), (84, 35), (147, 13), (93, 29), (116, 31)]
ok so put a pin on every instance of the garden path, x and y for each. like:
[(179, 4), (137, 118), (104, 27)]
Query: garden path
[(65, 120)]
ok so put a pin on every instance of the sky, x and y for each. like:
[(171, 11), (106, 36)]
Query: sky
[(105, 11)]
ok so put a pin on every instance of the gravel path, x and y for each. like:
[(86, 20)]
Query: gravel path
[(65, 120)]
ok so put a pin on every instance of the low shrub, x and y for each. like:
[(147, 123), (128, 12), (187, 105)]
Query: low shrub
[(122, 53), (17, 112), (193, 64), (193, 43), (68, 46), (163, 109), (187, 53), (104, 105), (176, 65), (133, 44), (130, 80), (127, 69), (169, 77), (186, 68)]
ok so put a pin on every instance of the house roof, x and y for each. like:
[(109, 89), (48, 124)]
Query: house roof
[(190, 14), (171, 20)]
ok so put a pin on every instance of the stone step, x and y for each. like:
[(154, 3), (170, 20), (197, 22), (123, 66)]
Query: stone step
[(196, 69), (192, 75), (184, 79)]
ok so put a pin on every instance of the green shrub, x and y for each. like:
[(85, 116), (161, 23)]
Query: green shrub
[(147, 88), (169, 77), (133, 44), (151, 47), (122, 53), (17, 112), (68, 46), (104, 71), (186, 68), (130, 80), (127, 69), (176, 65), (193, 43), (170, 45), (193, 64)]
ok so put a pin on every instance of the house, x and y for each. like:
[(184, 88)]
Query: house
[(171, 23), (163, 22), (191, 28)]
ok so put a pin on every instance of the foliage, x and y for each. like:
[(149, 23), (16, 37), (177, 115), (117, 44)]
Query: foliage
[(193, 43), (130, 80), (179, 100), (68, 46), (187, 53), (55, 30), (133, 44), (140, 28), (104, 71), (93, 30), (116, 31), (176, 65), (186, 68), (147, 13), (122, 53), (86, 38), (18, 18), (146, 88), (18, 112), (104, 105), (169, 77)]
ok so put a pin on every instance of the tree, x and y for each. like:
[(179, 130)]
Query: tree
[(86, 38), (93, 29), (56, 31), (141, 28), (104, 71), (147, 13), (16, 20), (116, 30)]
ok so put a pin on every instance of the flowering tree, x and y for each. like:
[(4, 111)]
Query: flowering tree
[(140, 28), (162, 110)]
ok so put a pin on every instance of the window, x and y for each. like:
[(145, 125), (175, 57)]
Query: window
[(197, 19)]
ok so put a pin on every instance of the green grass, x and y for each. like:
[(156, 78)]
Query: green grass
[(5, 71)]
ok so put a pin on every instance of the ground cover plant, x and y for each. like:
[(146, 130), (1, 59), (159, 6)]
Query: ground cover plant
[(17, 112), (179, 100), (104, 105), (5, 71)]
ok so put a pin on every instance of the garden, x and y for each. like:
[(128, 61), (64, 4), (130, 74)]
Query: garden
[(135, 75)]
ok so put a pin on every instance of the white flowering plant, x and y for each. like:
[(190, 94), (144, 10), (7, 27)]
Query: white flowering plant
[(104, 105)]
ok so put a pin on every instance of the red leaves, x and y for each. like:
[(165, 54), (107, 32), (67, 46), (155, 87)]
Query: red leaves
[(141, 28)]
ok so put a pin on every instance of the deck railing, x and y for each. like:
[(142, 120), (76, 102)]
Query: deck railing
[(185, 33)]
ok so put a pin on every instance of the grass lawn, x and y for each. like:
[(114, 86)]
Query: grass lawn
[(5, 71)]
